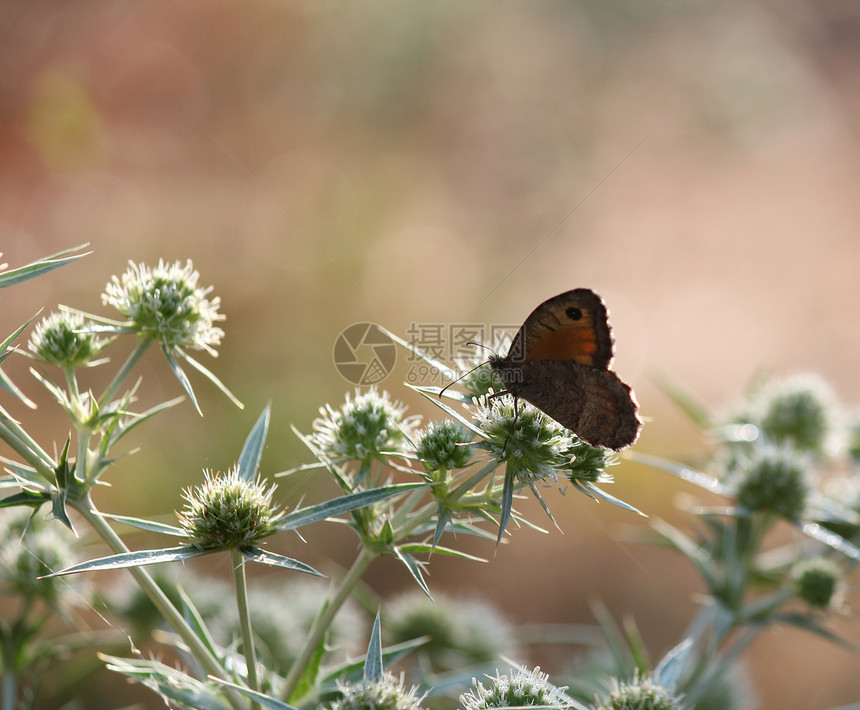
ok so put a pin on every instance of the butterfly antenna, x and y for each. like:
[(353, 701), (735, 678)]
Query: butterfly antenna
[(468, 372)]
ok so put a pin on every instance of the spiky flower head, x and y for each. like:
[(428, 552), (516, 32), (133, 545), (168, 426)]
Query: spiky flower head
[(640, 693), (521, 689), (227, 511), (588, 463), (532, 444), (31, 550), (387, 693), (816, 581), (800, 409), (772, 479), (61, 339), (367, 426), (166, 303), (444, 446)]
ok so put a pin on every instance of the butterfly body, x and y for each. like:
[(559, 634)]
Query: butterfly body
[(559, 362)]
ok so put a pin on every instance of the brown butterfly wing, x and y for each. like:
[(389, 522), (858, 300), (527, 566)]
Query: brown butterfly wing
[(594, 404), (559, 362), (571, 326)]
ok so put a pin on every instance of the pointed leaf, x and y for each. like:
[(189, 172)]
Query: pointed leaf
[(267, 701), (209, 375), (182, 377), (25, 498), (308, 679), (415, 350), (195, 620), (255, 554), (614, 639), (419, 548), (542, 502), (64, 476), (42, 266), (373, 660), (611, 498), (11, 339), (134, 559), (669, 669), (324, 460), (414, 569), (695, 553), (252, 451), (448, 410), (353, 670), (148, 525), (507, 502), (808, 623), (178, 689), (123, 427), (7, 384), (343, 504), (829, 538), (703, 480), (443, 517)]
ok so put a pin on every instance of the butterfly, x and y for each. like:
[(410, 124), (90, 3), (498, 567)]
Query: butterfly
[(559, 362)]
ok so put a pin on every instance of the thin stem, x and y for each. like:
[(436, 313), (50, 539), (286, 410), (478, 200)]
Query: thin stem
[(136, 354), (21, 442), (238, 564), (82, 451), (716, 668), (10, 690), (317, 634), (209, 663)]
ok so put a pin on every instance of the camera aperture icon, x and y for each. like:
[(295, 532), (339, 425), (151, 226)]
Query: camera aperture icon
[(364, 354)]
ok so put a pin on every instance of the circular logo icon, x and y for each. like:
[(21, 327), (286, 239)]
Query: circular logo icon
[(364, 354)]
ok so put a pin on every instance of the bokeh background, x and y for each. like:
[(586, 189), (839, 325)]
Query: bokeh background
[(325, 163)]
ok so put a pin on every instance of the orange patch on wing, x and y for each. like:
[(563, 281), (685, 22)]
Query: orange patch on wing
[(577, 343)]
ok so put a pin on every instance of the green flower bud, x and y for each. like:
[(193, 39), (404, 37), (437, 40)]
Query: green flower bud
[(816, 581), (166, 303), (774, 480), (32, 549), (58, 339), (589, 463), (387, 693), (443, 446), (366, 427), (522, 689), (531, 442), (640, 693), (800, 410), (227, 512)]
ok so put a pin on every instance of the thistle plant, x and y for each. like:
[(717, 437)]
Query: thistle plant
[(786, 458)]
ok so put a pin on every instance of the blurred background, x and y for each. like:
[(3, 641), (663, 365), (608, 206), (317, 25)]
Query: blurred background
[(326, 163)]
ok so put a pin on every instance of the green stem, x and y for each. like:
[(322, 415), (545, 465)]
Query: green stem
[(209, 663), (238, 563), (136, 354), (82, 450), (25, 447), (10, 690), (317, 634), (717, 667)]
